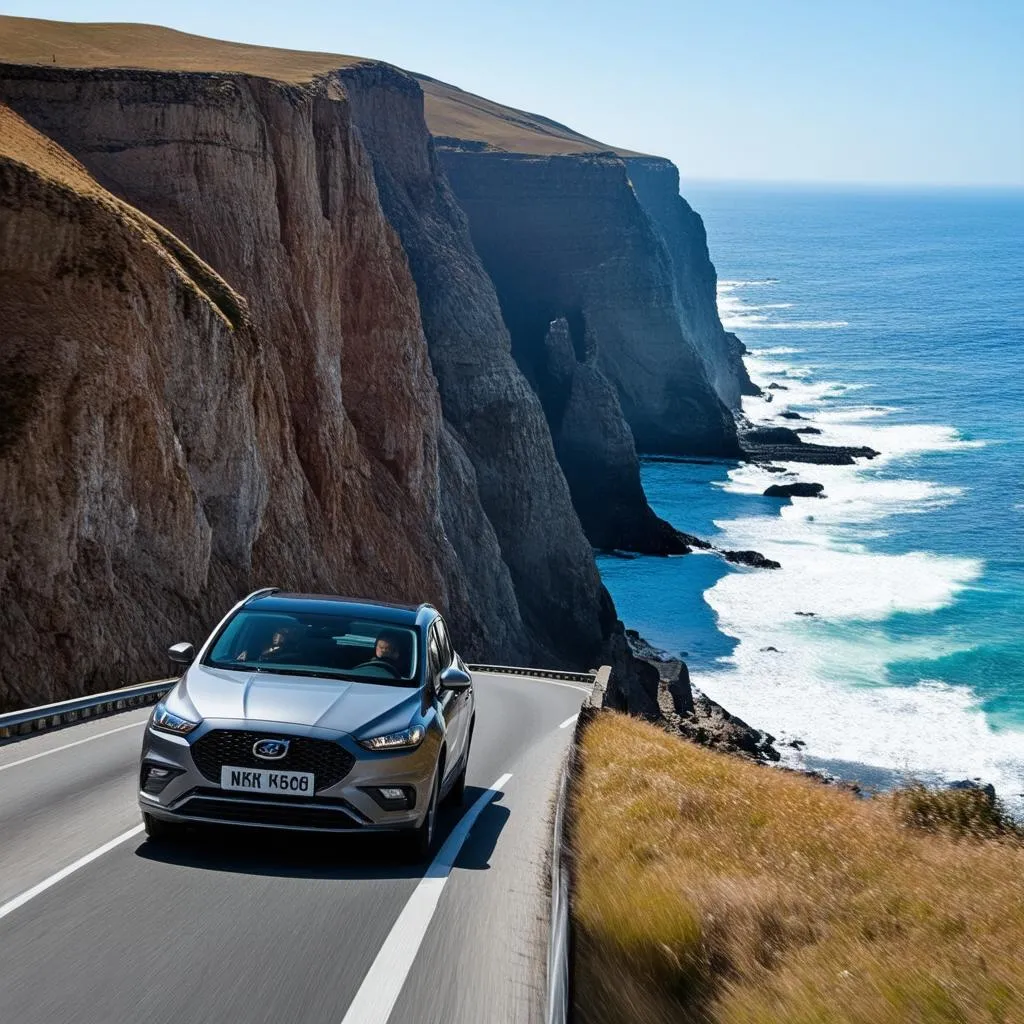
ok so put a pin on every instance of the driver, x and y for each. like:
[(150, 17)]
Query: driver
[(387, 652)]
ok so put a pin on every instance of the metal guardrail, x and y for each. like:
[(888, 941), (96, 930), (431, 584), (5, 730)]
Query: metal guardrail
[(559, 991), (540, 673), (51, 716)]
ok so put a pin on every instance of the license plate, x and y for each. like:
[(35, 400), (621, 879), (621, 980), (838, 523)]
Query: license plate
[(266, 780)]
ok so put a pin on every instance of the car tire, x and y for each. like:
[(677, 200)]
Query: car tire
[(159, 830), (421, 842)]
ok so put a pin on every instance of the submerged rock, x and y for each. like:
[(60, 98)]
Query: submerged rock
[(973, 784)]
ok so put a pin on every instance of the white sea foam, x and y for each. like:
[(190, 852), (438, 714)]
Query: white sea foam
[(827, 682), (738, 314)]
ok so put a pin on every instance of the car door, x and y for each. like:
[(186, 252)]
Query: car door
[(446, 699)]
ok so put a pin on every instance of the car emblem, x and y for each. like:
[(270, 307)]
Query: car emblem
[(270, 750)]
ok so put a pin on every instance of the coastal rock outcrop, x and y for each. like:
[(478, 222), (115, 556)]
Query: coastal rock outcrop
[(799, 489), (692, 714)]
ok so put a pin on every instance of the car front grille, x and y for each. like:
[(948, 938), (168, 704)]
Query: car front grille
[(329, 762), (336, 816)]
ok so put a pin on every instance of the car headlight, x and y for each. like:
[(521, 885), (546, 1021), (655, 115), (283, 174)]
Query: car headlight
[(167, 721), (411, 737)]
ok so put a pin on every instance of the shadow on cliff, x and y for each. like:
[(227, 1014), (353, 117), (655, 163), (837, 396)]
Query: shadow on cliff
[(313, 855)]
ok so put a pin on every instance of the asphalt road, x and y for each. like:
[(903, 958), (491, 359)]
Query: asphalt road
[(263, 928)]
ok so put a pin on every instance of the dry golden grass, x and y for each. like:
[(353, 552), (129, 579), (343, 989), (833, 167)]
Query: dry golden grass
[(462, 115), (449, 110), (52, 165), (150, 47), (710, 889), (22, 143)]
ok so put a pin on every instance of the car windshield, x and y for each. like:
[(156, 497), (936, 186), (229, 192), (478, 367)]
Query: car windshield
[(317, 644)]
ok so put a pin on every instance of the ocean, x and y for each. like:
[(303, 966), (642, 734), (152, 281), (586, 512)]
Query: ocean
[(891, 642)]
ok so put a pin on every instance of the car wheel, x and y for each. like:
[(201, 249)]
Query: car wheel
[(421, 842), (159, 830)]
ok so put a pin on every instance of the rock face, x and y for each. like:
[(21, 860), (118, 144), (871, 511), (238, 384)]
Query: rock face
[(596, 452), (589, 292), (331, 467), (495, 421), (564, 236), (248, 340), (656, 184), (164, 447)]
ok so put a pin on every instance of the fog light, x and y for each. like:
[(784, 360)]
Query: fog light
[(392, 798), (155, 778)]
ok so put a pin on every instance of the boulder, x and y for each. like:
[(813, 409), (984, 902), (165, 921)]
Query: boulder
[(794, 490), (752, 558)]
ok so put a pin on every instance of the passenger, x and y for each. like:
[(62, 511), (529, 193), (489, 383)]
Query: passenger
[(283, 645)]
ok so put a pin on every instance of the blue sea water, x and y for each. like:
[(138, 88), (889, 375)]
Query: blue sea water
[(892, 640)]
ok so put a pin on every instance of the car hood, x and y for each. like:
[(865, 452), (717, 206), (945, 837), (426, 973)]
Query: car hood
[(334, 704)]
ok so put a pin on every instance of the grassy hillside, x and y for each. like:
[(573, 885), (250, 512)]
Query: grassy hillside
[(711, 889), (449, 111), (100, 45)]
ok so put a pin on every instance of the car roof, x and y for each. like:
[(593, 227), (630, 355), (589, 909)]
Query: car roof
[(381, 611)]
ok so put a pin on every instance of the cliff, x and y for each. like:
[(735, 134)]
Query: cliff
[(655, 182), (371, 474), (496, 423), (564, 238), (159, 453), (305, 379)]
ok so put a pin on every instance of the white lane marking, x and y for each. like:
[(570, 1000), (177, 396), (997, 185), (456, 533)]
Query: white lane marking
[(569, 721), (68, 746), (19, 901), (383, 983)]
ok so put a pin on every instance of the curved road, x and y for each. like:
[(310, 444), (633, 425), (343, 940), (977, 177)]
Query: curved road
[(259, 927)]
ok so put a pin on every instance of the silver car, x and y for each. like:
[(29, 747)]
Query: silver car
[(314, 713)]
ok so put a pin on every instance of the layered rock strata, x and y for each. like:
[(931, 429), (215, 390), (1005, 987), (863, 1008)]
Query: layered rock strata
[(167, 445)]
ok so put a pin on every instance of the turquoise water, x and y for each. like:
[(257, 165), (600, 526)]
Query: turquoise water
[(894, 320)]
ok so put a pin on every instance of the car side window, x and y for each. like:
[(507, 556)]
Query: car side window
[(433, 655), (447, 653)]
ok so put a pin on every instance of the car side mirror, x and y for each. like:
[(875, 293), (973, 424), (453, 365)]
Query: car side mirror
[(182, 654), (455, 679)]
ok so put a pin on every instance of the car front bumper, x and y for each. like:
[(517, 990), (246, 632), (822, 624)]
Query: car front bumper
[(353, 804)]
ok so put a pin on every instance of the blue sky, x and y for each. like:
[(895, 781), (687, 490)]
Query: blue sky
[(904, 91)]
